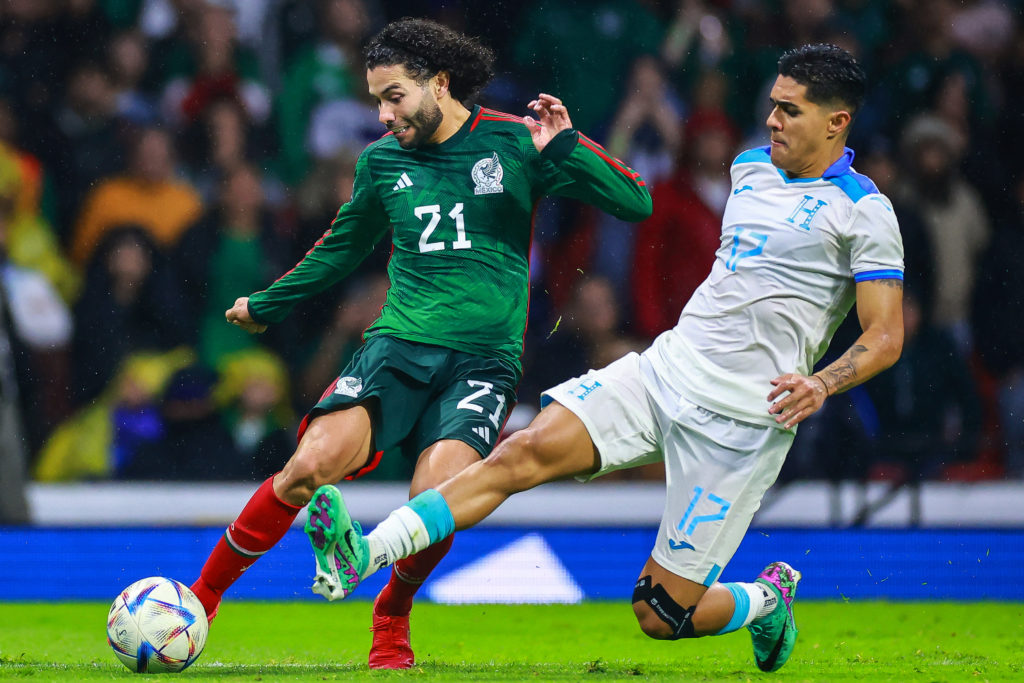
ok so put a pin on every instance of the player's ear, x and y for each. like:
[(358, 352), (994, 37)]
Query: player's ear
[(839, 123), (440, 82)]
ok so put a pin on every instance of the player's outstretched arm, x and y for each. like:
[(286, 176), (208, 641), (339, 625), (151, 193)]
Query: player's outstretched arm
[(586, 171), (239, 315), (880, 309), (360, 223)]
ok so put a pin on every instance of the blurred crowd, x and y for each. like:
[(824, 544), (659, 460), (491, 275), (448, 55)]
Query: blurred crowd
[(159, 158)]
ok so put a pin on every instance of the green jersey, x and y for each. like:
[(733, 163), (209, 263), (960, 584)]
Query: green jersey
[(461, 215)]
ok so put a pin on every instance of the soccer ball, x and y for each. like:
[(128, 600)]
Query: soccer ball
[(157, 625)]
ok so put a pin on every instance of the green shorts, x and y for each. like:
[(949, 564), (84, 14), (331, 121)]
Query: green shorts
[(418, 394)]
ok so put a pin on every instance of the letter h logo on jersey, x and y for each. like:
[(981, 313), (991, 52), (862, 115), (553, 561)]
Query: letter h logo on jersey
[(583, 390), (808, 211)]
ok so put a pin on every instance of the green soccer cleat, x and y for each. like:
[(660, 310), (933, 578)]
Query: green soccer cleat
[(774, 634), (342, 554)]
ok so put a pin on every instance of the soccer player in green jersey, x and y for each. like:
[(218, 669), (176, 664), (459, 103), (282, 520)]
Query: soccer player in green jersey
[(456, 185), (718, 397)]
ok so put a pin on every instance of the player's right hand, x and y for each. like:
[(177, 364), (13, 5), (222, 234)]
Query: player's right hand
[(799, 397), (239, 315)]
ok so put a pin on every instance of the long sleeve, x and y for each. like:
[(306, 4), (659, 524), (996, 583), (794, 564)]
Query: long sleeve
[(579, 168), (358, 226)]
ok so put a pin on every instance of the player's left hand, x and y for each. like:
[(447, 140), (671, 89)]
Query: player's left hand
[(552, 119), (805, 396)]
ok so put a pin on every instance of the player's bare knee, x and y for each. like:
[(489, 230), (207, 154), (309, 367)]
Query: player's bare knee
[(500, 468), (658, 614), (650, 623), (314, 464), (298, 480), (517, 459)]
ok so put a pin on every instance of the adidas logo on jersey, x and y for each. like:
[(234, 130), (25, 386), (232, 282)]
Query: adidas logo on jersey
[(403, 182), (483, 432)]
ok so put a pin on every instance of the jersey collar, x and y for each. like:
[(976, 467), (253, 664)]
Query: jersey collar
[(841, 166), (458, 136)]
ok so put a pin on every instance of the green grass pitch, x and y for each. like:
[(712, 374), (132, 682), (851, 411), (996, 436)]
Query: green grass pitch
[(598, 641)]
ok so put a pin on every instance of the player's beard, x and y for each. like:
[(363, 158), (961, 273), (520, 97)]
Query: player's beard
[(425, 121)]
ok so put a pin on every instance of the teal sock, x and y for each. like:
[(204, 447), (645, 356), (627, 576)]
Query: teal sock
[(423, 521), (433, 509), (752, 600), (740, 611)]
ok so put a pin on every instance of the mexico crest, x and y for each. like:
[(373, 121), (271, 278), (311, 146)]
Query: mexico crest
[(349, 386), (487, 175)]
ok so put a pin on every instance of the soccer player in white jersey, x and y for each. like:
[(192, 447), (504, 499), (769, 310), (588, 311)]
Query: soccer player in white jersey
[(718, 398)]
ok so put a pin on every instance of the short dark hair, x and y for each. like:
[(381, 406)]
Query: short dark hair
[(426, 47), (829, 73)]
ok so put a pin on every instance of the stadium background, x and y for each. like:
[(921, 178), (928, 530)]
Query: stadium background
[(159, 158)]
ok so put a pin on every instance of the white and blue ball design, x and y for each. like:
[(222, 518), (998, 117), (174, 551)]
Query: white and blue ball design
[(157, 625)]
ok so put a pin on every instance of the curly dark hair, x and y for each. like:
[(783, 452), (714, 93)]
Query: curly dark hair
[(829, 73), (426, 47)]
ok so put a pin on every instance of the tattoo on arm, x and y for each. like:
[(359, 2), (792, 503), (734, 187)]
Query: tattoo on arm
[(842, 374), (891, 283)]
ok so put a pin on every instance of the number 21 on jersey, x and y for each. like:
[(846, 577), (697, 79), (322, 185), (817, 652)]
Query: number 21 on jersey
[(434, 213)]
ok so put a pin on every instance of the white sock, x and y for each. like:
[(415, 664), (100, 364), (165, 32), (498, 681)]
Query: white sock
[(402, 534), (762, 600)]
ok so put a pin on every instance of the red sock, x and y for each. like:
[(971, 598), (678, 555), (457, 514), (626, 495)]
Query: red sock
[(260, 525), (407, 575)]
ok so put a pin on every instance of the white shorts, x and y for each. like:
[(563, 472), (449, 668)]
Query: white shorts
[(717, 468)]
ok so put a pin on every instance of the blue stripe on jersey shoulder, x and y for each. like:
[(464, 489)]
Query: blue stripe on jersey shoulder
[(855, 185), (758, 155), (890, 274)]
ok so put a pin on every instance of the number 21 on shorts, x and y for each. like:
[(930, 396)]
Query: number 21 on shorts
[(483, 389)]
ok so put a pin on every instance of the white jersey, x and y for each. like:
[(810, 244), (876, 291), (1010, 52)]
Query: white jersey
[(782, 282)]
